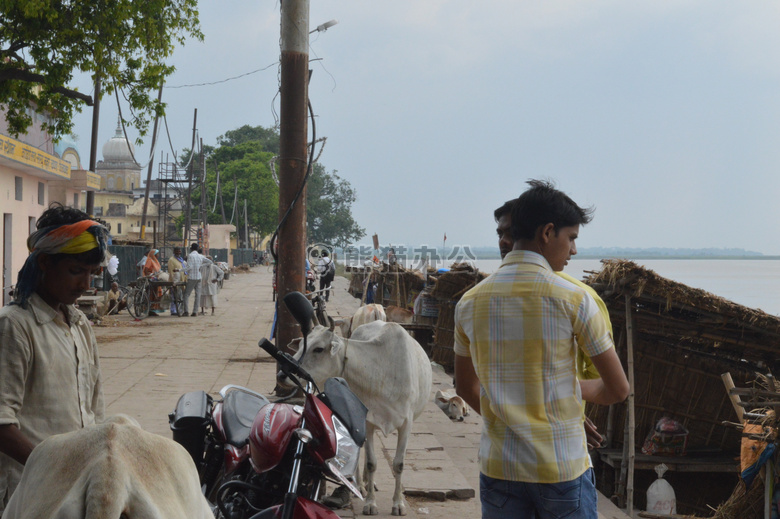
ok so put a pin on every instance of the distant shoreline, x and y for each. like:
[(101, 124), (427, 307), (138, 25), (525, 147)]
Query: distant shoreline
[(653, 257)]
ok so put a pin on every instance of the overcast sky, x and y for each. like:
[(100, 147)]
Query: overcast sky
[(664, 115)]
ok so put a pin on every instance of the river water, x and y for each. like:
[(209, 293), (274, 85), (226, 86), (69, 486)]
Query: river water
[(754, 283)]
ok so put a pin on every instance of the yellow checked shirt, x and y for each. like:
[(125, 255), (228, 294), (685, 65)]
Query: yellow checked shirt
[(521, 327)]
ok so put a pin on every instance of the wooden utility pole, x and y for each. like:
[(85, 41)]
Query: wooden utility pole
[(93, 144), (247, 244), (149, 174), (293, 158), (203, 209), (188, 218)]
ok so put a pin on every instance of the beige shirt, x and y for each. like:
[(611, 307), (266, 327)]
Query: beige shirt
[(50, 379)]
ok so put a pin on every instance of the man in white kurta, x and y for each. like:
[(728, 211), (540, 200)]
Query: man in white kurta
[(211, 275)]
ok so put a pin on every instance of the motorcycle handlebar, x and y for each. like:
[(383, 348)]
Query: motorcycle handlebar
[(286, 362)]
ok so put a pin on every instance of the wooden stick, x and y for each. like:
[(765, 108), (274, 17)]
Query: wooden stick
[(631, 409), (735, 400)]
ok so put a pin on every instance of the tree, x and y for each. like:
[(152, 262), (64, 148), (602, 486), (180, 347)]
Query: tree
[(244, 174), (243, 157), (43, 44), (329, 200), (267, 137)]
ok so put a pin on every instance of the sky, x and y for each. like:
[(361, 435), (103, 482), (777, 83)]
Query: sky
[(663, 115)]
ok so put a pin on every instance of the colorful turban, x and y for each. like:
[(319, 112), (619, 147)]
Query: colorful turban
[(75, 238)]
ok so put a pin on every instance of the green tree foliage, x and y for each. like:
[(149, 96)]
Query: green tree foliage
[(243, 158), (244, 174), (267, 137), (43, 43), (329, 209)]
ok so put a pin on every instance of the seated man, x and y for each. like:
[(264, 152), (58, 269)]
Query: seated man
[(116, 300)]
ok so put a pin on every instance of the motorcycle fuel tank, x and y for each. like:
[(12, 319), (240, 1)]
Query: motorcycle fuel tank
[(272, 431)]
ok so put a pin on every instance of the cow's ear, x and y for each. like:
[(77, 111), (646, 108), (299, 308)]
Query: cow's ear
[(336, 344), (295, 344)]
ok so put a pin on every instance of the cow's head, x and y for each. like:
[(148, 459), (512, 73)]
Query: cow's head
[(324, 356), (452, 405)]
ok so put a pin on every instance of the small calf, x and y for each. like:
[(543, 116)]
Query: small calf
[(452, 405)]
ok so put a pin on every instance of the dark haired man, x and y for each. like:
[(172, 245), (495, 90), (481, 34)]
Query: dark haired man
[(195, 260), (50, 379), (516, 338)]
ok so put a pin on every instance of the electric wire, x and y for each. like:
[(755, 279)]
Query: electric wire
[(127, 140)]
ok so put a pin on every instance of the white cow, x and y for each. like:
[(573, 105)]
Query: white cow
[(452, 405), (390, 372), (109, 471), (364, 314)]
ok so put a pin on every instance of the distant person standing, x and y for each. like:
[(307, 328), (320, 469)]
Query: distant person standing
[(327, 271), (194, 261), (211, 275), (176, 265)]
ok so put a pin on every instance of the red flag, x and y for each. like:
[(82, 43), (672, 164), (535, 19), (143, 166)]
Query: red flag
[(445, 236)]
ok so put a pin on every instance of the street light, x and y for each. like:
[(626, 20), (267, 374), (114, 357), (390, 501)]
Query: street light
[(325, 26)]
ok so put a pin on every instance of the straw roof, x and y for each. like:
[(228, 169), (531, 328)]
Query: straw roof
[(689, 318)]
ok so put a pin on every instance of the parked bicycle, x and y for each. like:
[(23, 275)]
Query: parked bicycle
[(145, 292)]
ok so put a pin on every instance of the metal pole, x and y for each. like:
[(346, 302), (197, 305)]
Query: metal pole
[(93, 144), (149, 171), (188, 219), (293, 157), (246, 227)]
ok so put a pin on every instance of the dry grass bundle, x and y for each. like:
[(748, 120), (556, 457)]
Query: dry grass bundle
[(443, 352), (673, 313), (743, 503), (453, 284)]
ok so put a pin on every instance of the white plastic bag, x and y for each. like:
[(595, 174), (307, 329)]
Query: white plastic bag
[(660, 495)]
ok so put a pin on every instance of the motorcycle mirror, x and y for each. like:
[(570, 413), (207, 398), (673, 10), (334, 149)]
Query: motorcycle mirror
[(301, 310)]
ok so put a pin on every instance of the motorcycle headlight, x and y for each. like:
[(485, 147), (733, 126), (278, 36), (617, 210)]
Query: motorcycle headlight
[(347, 451)]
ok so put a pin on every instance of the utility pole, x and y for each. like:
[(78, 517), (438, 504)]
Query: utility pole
[(203, 209), (93, 144), (246, 227), (188, 219), (149, 173), (293, 158)]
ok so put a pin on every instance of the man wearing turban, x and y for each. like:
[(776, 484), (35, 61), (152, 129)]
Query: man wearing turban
[(50, 380)]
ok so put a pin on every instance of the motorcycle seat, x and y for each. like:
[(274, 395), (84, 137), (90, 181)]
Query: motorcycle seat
[(238, 413)]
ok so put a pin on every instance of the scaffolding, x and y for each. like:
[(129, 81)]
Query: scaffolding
[(174, 190)]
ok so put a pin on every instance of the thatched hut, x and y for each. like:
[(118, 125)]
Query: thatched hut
[(447, 291), (676, 342)]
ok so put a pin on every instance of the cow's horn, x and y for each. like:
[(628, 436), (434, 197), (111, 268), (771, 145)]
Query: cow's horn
[(332, 324)]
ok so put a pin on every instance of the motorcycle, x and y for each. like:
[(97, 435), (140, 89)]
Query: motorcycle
[(311, 277), (262, 460)]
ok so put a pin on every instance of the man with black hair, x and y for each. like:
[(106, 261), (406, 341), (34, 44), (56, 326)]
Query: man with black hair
[(50, 380), (516, 338), (327, 271), (195, 260)]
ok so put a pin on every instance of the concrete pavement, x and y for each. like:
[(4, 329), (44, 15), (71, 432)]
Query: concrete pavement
[(147, 365)]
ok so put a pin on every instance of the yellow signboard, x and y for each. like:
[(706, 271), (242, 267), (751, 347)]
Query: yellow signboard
[(93, 180), (31, 156)]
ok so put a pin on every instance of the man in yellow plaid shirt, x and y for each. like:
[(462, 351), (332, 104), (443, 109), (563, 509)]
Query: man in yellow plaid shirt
[(516, 341)]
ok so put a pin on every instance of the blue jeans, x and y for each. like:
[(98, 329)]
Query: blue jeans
[(574, 499)]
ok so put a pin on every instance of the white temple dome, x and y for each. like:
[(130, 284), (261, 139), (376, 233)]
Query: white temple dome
[(118, 149)]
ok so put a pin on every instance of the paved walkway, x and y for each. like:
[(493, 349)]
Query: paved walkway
[(147, 365)]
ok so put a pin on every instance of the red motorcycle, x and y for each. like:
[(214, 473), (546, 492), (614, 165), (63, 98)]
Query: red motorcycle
[(262, 460)]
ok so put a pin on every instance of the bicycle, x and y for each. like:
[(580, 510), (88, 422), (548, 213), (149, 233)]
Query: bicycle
[(138, 301)]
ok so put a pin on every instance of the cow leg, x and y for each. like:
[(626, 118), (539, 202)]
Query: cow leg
[(370, 469), (399, 506)]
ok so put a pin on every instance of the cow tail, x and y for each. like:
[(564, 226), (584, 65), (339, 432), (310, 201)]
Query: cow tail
[(107, 495)]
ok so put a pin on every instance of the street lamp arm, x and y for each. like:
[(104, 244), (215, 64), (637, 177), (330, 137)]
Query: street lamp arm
[(325, 26)]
